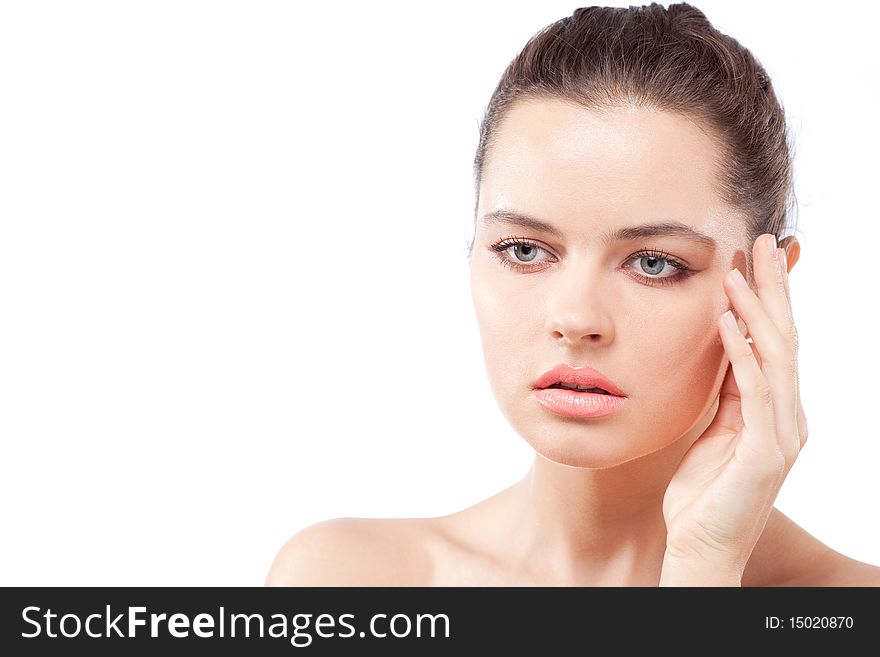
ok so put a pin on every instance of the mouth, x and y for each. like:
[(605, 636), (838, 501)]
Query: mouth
[(576, 388), (581, 380), (577, 401)]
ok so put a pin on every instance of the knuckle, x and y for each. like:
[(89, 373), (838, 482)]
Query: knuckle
[(792, 449), (763, 394), (781, 353), (775, 464), (793, 340), (803, 429), (768, 462)]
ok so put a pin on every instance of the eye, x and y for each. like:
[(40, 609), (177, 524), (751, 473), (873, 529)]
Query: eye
[(524, 252), (656, 262), (517, 253)]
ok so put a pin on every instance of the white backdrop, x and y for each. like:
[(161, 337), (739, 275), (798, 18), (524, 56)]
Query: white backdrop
[(234, 289)]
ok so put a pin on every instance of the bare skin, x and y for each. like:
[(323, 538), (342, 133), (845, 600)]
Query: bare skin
[(590, 510), (451, 551)]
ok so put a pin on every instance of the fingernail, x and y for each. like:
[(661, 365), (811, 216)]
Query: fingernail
[(737, 278), (729, 321), (771, 245)]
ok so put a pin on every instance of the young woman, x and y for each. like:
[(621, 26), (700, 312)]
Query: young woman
[(630, 280)]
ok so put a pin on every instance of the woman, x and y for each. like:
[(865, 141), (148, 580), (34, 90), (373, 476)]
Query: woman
[(629, 275)]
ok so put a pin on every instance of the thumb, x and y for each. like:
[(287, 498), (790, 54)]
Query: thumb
[(728, 418)]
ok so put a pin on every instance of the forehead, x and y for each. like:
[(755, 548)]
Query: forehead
[(553, 158)]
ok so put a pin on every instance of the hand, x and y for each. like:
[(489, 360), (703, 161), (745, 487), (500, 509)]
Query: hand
[(719, 499)]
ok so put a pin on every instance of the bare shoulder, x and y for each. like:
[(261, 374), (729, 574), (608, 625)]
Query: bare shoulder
[(353, 552), (835, 569), (787, 555)]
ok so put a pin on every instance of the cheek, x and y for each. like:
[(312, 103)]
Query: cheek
[(682, 341), (501, 303), (509, 332), (487, 304), (685, 358), (490, 314)]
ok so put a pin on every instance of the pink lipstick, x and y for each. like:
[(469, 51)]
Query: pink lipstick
[(578, 392)]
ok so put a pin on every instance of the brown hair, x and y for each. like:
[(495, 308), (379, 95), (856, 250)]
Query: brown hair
[(668, 59)]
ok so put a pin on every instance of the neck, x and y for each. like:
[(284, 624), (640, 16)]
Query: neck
[(591, 527)]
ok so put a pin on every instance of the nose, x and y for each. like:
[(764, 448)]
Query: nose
[(577, 308)]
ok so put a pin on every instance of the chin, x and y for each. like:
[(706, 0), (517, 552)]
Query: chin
[(589, 451)]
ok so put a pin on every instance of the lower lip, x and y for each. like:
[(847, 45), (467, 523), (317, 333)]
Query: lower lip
[(571, 403)]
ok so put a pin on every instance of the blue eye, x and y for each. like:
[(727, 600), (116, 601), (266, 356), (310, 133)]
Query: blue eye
[(527, 249), (650, 261)]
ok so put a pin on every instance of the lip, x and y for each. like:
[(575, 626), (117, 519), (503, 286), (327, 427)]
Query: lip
[(580, 376), (571, 403)]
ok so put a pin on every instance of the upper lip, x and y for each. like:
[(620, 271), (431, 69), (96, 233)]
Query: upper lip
[(577, 376)]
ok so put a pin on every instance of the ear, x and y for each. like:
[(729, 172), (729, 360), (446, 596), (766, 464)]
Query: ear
[(792, 250)]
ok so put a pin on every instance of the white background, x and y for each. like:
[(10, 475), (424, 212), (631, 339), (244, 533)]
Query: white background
[(234, 289)]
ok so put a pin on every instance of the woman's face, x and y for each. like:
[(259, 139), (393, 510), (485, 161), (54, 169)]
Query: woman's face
[(584, 296)]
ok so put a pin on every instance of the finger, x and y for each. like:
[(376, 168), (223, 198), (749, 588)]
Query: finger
[(728, 417), (752, 344), (801, 417), (783, 264), (763, 313), (770, 282), (770, 286), (756, 399)]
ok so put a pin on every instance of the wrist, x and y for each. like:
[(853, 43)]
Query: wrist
[(698, 572)]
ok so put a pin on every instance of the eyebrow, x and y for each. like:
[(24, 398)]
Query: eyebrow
[(667, 227)]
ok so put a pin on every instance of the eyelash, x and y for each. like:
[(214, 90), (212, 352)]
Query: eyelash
[(500, 248)]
